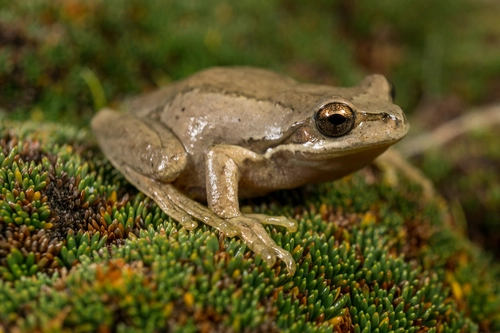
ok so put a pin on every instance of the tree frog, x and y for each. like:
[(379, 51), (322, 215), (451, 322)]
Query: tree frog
[(236, 132)]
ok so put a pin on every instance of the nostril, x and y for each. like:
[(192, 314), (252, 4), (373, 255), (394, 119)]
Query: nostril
[(386, 117)]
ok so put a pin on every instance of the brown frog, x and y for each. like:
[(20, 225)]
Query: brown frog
[(229, 133)]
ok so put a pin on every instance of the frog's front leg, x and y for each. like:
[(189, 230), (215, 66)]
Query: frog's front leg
[(224, 167)]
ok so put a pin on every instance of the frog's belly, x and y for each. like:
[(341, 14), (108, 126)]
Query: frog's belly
[(286, 174), (294, 173)]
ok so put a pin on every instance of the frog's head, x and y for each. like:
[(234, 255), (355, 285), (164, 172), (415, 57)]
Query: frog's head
[(361, 120)]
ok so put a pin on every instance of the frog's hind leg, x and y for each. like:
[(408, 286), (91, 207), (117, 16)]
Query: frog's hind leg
[(146, 153), (153, 189), (178, 206), (197, 210), (143, 146)]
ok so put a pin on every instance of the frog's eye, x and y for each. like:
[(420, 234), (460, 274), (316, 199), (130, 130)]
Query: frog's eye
[(335, 119)]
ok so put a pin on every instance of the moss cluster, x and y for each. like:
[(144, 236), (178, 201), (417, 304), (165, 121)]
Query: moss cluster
[(82, 251)]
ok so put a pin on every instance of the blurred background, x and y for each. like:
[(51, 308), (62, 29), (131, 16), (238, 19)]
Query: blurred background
[(60, 60)]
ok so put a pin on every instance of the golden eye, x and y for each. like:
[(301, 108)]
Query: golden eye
[(335, 119)]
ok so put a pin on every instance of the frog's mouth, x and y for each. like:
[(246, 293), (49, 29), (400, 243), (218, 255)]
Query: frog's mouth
[(324, 153)]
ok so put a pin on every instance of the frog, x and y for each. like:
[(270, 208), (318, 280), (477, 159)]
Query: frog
[(200, 144)]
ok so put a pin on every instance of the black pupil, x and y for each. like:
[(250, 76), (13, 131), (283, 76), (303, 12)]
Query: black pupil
[(336, 119)]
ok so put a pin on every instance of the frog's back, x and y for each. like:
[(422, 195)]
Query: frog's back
[(249, 107), (259, 84)]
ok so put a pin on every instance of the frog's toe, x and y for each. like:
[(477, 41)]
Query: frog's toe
[(225, 227), (253, 241), (214, 221), (287, 259), (188, 222), (254, 235), (282, 221), (184, 219), (175, 213), (266, 254)]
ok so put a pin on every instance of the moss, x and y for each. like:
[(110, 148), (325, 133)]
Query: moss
[(81, 250), (468, 175), (370, 258)]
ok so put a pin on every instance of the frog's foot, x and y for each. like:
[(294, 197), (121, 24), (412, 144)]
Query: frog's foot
[(251, 231), (154, 190), (392, 162), (175, 213), (282, 221), (194, 209)]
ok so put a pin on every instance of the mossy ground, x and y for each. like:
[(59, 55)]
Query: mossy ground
[(82, 250), (468, 175)]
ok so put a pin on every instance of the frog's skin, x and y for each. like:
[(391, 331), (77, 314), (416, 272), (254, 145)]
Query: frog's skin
[(229, 133)]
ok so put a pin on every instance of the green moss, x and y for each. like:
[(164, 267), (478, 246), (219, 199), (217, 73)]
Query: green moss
[(369, 257), (81, 250)]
